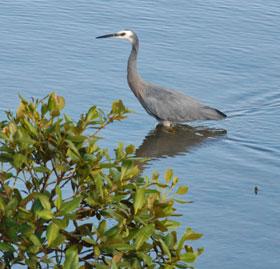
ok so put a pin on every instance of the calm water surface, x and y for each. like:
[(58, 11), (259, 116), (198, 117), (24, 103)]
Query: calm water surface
[(225, 53)]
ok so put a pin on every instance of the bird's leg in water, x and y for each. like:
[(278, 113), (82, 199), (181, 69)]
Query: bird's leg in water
[(167, 123)]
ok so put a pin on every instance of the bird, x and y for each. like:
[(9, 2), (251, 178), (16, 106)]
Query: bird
[(167, 106)]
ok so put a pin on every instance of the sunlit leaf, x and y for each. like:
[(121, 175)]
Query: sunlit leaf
[(118, 107), (30, 127), (143, 235), (52, 233), (69, 206), (182, 190), (19, 160), (168, 175), (139, 199), (34, 239), (146, 258), (42, 169), (112, 231), (89, 240), (188, 257), (92, 114), (165, 248), (58, 200), (44, 214), (71, 258), (60, 102), (191, 235), (21, 110), (44, 200), (102, 227), (130, 149)]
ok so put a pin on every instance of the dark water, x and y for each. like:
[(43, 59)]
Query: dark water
[(225, 53)]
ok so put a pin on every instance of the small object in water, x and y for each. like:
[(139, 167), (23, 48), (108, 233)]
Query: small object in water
[(256, 189)]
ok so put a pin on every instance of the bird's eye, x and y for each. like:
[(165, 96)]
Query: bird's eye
[(122, 34)]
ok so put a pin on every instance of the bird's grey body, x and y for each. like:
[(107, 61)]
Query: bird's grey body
[(166, 105)]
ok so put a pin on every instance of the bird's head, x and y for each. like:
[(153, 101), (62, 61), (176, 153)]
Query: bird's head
[(124, 34)]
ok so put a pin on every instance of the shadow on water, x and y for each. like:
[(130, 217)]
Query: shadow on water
[(168, 142)]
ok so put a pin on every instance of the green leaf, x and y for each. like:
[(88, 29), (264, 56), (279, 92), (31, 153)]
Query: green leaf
[(12, 204), (97, 252), (35, 240), (99, 185), (71, 258), (51, 102), (139, 199), (180, 201), (120, 246), (60, 102), (168, 175), (19, 160), (130, 149), (58, 200), (143, 235), (44, 214), (171, 239), (165, 249), (72, 151), (5, 247), (55, 104), (6, 158), (60, 239), (182, 190), (175, 181), (21, 110), (42, 169), (128, 171), (102, 227), (62, 223), (44, 109), (89, 240), (44, 200), (191, 235), (69, 206), (114, 265), (92, 114), (52, 233), (2, 205), (118, 107), (188, 257), (188, 235), (30, 127), (4, 175), (146, 258), (112, 231), (100, 266), (171, 224)]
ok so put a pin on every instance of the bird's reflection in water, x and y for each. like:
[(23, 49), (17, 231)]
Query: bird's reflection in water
[(168, 142)]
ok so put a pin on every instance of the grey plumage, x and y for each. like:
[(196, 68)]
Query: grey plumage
[(166, 105)]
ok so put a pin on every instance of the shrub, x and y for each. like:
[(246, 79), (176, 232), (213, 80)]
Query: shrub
[(66, 203)]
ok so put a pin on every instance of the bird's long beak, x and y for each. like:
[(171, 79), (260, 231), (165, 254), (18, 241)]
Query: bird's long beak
[(105, 36)]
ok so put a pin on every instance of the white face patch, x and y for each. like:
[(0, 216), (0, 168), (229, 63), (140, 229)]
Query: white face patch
[(126, 34)]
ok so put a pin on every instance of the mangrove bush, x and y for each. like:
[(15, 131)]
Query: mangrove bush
[(66, 203)]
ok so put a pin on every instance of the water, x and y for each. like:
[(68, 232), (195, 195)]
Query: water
[(225, 53)]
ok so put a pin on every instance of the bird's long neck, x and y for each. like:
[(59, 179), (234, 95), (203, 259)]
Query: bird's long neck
[(133, 78)]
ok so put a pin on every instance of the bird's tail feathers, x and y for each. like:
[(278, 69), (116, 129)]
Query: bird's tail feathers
[(213, 113)]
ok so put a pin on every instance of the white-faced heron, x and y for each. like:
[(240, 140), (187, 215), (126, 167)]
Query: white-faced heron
[(166, 105)]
